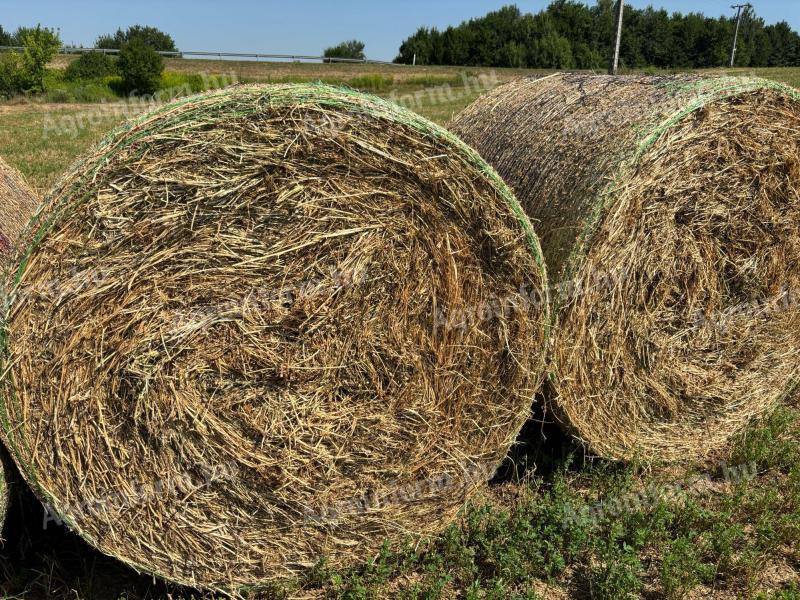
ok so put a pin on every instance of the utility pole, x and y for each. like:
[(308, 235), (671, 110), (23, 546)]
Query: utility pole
[(738, 8), (614, 63)]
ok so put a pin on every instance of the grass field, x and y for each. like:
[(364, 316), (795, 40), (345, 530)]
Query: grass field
[(41, 137), (556, 524)]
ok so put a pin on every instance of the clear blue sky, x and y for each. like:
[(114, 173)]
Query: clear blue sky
[(300, 26)]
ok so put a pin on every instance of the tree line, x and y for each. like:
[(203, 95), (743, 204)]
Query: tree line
[(138, 64), (572, 35)]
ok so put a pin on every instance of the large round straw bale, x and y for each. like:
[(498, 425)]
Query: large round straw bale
[(17, 203), (669, 217), (245, 334)]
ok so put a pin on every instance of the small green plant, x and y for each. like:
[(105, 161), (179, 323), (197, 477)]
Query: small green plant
[(773, 444), (791, 593), (618, 573), (91, 65), (683, 568), (140, 67)]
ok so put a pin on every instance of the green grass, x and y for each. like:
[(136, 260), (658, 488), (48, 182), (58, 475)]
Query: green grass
[(610, 533), (42, 141), (43, 136)]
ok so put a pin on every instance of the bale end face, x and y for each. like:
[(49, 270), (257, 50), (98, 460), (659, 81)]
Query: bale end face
[(269, 325), (669, 214)]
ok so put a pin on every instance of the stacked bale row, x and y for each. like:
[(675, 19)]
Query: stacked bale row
[(268, 324), (669, 216), (17, 203)]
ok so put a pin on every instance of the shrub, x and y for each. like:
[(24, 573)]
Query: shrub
[(40, 46), (10, 74), (25, 71), (140, 67), (92, 65), (352, 49), (150, 36)]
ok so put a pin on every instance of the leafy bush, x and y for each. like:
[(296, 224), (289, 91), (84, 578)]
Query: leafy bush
[(25, 71), (150, 36), (60, 89), (10, 74), (91, 65), (140, 67), (352, 49), (40, 46)]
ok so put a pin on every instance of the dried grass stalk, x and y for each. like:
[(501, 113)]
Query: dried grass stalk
[(226, 350), (17, 203), (668, 212)]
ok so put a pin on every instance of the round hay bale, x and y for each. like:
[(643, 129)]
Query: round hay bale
[(17, 203), (668, 212), (269, 324)]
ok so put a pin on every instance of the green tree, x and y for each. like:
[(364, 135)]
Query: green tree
[(569, 34), (24, 71), (6, 39), (554, 52), (418, 45), (140, 67), (352, 49), (784, 44), (40, 45), (149, 36)]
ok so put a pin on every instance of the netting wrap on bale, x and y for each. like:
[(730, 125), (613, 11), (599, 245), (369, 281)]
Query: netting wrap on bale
[(269, 324), (17, 204), (668, 213)]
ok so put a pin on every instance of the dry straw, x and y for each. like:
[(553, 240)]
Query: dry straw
[(669, 215), (269, 324), (17, 203)]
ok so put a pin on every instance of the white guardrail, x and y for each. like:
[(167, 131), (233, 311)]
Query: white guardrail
[(239, 55)]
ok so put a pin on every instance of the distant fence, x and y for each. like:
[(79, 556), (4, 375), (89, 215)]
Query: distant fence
[(239, 55)]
